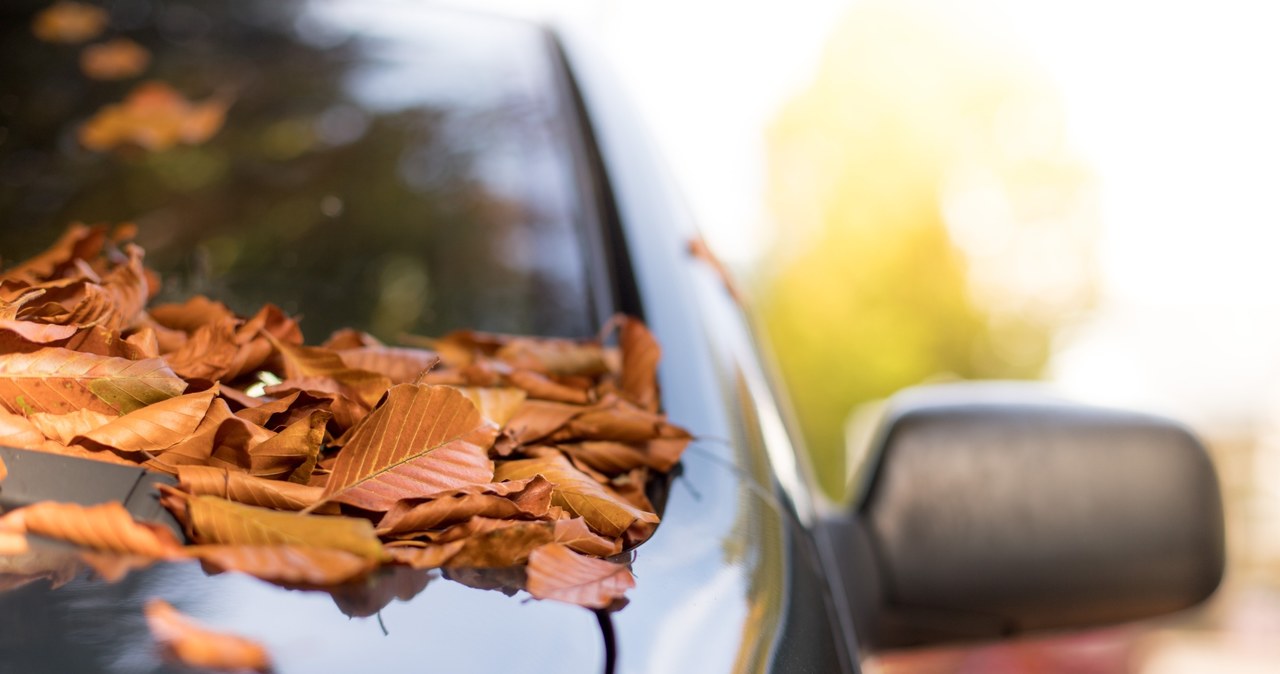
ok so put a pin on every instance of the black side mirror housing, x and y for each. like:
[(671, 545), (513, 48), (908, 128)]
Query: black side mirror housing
[(992, 512)]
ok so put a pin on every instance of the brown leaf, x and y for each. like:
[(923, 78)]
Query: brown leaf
[(307, 362), (554, 356), (154, 117), (540, 387), (286, 564), (292, 453), (107, 527), (603, 509), (60, 381), (190, 315), (496, 405), (216, 520), (640, 355), (4, 472), (612, 420), (100, 341), (62, 428), (519, 499), (506, 545), (378, 590), (428, 556), (116, 59), (25, 336), (536, 419), (153, 428), (69, 22), (79, 242), (399, 364), (18, 431), (245, 488), (575, 534), (194, 645), (221, 439), (419, 441), (556, 572)]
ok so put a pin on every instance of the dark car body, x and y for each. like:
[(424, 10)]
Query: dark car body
[(733, 579)]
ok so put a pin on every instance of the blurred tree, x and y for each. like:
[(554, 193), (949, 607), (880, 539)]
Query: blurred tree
[(933, 222)]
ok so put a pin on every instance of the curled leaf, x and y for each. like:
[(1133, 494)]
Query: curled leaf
[(153, 428), (245, 488), (194, 645), (603, 509), (107, 527), (60, 381)]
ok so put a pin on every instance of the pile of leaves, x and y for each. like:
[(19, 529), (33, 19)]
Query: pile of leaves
[(313, 466)]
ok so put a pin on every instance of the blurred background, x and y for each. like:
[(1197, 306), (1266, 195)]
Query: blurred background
[(918, 190)]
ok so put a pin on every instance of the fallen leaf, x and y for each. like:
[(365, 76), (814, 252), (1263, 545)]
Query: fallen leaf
[(116, 59), (62, 428), (603, 509), (60, 381), (399, 364), (216, 520), (417, 442), (153, 428), (292, 453), (154, 117), (496, 405), (554, 356), (4, 472), (519, 499), (640, 356), (556, 572), (222, 439), (197, 646), (377, 590), (245, 488), (107, 527), (543, 388), (69, 22), (286, 564), (23, 336), (78, 242), (18, 431)]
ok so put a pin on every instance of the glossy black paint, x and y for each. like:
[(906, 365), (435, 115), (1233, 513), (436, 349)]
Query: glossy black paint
[(731, 581)]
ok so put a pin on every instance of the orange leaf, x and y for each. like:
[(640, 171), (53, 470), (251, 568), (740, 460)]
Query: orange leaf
[(556, 572), (4, 472), (399, 364), (603, 509), (554, 356), (512, 500), (292, 453), (22, 336), (640, 355), (286, 564), (419, 441), (69, 22), (308, 362), (79, 242), (543, 388), (153, 428), (190, 315), (575, 534), (216, 520), (107, 527), (63, 428), (496, 405), (59, 381), (245, 488), (18, 431), (221, 439), (155, 117), (114, 60), (194, 645)]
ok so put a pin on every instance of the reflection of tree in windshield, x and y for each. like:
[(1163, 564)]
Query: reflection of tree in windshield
[(420, 217)]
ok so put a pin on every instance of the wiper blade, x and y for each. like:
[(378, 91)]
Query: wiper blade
[(39, 476)]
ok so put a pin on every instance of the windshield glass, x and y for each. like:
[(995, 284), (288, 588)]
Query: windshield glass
[(391, 171)]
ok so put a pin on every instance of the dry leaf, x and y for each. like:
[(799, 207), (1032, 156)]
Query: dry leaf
[(154, 117), (194, 645), (640, 356), (292, 453), (519, 499), (4, 472), (556, 572), (603, 509), (286, 564), (18, 431), (62, 428), (245, 488), (153, 428), (107, 527), (216, 520), (116, 59), (79, 242), (418, 442), (60, 381), (400, 365), (69, 22)]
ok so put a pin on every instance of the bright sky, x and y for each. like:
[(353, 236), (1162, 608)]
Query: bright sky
[(1174, 106)]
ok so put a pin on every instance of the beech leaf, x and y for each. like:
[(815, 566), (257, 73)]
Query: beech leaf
[(217, 520), (286, 564), (245, 488), (417, 442), (152, 428), (603, 509), (195, 645), (60, 381), (107, 527), (556, 572)]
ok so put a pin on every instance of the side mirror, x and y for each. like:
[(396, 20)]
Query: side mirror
[(989, 512)]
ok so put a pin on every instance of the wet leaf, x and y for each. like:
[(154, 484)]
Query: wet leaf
[(418, 442), (603, 509), (194, 645), (556, 572), (116, 59), (60, 381)]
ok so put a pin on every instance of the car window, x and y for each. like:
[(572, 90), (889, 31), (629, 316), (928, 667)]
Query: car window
[(394, 171)]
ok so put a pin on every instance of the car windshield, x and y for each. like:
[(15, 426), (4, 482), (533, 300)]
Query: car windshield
[(400, 173)]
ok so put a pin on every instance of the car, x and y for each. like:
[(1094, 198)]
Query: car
[(411, 170)]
